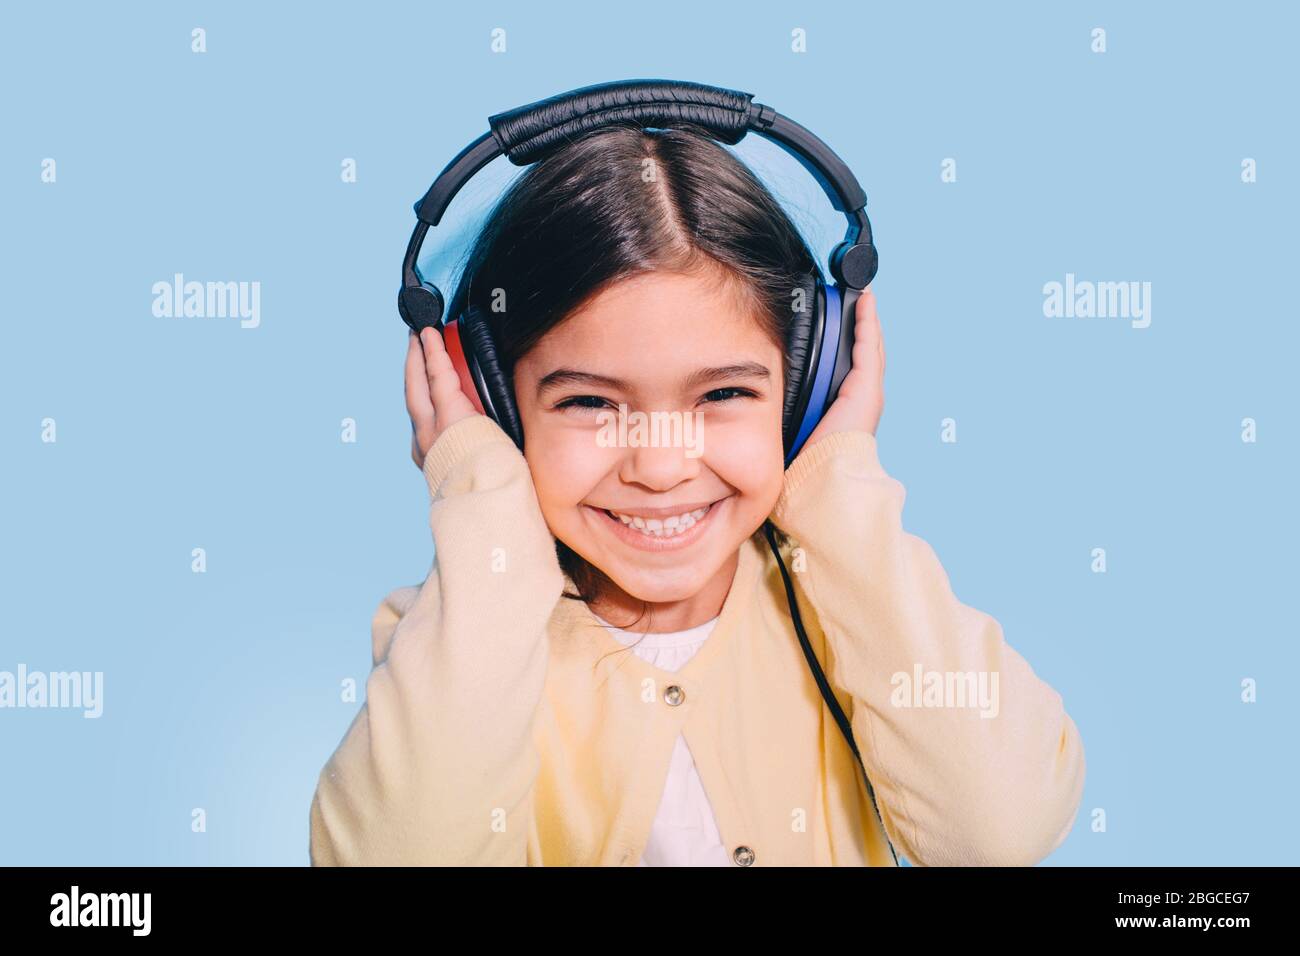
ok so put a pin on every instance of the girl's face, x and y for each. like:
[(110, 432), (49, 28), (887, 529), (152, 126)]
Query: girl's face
[(658, 343)]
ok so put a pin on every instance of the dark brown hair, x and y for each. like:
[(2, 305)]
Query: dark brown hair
[(617, 202)]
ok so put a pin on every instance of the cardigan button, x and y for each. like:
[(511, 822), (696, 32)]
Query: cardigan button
[(743, 856), (674, 695)]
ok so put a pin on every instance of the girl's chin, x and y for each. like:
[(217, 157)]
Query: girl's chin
[(663, 587)]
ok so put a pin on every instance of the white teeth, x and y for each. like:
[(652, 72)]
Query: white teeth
[(666, 527)]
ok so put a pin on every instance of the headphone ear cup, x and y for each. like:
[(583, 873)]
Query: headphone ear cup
[(805, 327), (854, 264), (500, 397), (420, 306)]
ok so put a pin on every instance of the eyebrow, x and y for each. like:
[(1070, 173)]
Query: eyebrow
[(563, 377)]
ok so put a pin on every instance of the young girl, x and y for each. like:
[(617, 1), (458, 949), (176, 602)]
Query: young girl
[(601, 667)]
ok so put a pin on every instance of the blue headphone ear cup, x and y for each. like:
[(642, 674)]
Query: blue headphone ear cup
[(499, 402), (806, 328)]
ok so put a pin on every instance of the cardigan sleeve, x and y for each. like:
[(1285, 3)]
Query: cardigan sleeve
[(438, 766), (989, 785)]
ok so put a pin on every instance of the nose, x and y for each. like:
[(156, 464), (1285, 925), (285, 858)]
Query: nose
[(660, 468)]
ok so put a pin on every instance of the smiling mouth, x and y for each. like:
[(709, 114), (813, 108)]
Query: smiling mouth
[(656, 534)]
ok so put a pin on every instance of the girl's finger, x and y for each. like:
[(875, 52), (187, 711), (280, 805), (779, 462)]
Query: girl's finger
[(868, 345), (443, 382), (418, 403), (880, 338)]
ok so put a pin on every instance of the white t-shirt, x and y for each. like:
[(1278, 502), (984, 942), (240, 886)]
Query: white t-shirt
[(684, 832)]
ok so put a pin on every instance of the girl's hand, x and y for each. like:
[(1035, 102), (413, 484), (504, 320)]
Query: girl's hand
[(861, 397), (434, 397)]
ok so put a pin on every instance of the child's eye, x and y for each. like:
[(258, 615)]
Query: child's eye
[(579, 401), (738, 393), (715, 397)]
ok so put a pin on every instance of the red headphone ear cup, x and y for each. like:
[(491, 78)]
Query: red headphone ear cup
[(456, 352)]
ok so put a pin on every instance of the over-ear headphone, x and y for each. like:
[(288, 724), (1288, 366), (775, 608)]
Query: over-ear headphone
[(821, 337)]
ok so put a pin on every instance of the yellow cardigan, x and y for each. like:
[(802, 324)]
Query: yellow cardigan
[(504, 725)]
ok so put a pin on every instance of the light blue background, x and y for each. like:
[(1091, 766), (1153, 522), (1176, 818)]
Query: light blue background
[(222, 689)]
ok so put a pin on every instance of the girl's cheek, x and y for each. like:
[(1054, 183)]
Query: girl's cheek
[(569, 463), (743, 453)]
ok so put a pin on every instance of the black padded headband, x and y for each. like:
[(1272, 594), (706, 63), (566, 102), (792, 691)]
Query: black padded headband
[(529, 133)]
